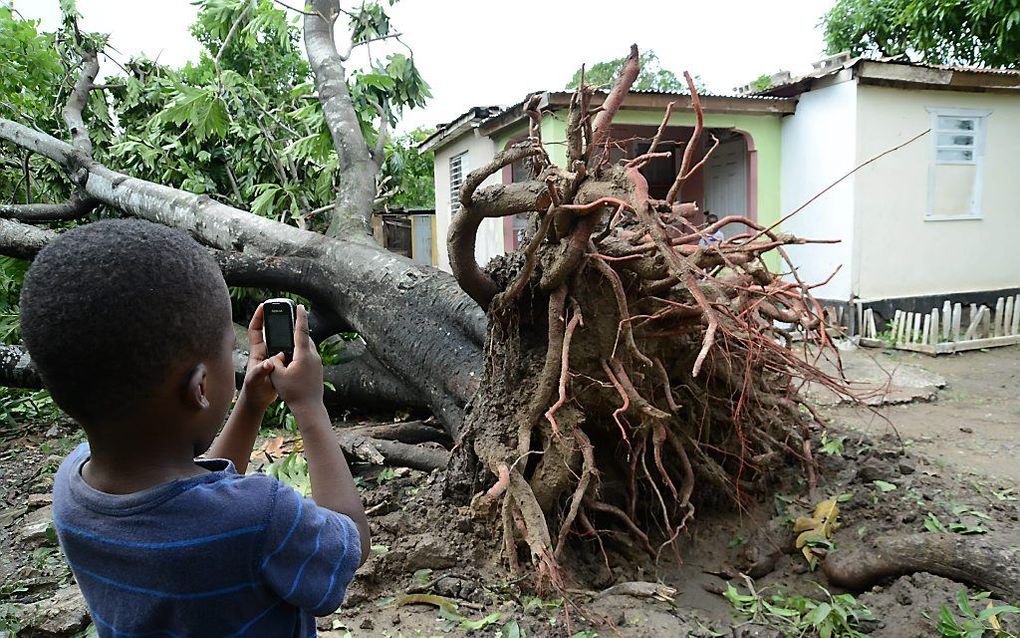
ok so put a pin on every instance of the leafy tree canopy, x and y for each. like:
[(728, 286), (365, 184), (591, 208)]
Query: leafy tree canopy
[(407, 173), (652, 77), (977, 32), (242, 124)]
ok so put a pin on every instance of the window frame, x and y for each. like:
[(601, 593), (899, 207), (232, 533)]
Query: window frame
[(980, 117), (461, 159)]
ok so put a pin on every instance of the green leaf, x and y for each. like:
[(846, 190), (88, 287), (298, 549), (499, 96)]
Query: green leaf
[(202, 109), (818, 614), (263, 204), (481, 623), (511, 630), (933, 524), (885, 486), (963, 603), (988, 612)]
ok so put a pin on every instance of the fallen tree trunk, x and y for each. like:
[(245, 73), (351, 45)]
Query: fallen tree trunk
[(986, 562), (415, 320)]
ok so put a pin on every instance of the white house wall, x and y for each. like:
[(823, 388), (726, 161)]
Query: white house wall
[(818, 146), (490, 234), (899, 254)]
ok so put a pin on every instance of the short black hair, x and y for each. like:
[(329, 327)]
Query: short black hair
[(109, 309)]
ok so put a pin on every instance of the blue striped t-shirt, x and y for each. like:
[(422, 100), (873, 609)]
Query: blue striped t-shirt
[(214, 555)]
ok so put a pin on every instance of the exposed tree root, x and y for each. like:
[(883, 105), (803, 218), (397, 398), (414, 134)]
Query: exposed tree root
[(986, 562), (626, 363), (388, 452)]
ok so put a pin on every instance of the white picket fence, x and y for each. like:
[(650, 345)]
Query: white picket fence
[(942, 332)]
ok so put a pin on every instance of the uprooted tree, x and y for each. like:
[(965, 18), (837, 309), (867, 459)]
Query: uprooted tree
[(613, 373)]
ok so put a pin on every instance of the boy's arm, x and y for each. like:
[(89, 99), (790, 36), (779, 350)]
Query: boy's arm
[(332, 482), (236, 439), (300, 386)]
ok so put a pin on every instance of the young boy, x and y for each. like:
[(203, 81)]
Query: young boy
[(129, 325)]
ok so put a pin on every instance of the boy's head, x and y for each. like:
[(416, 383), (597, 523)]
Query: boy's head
[(126, 319)]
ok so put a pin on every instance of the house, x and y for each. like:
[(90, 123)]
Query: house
[(939, 217), (740, 177)]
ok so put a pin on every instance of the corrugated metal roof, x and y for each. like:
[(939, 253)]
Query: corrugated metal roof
[(969, 69), (730, 94)]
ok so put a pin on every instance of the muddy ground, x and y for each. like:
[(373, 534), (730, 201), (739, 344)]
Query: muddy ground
[(948, 453)]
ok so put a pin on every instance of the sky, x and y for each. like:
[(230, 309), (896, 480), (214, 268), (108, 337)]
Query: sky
[(483, 52)]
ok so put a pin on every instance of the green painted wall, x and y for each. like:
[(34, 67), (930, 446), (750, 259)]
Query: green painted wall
[(765, 131), (508, 134)]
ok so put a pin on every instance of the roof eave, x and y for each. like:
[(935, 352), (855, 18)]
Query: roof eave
[(711, 104), (935, 78), (904, 75), (448, 132)]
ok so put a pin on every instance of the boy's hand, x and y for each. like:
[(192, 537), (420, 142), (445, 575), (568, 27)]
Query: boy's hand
[(299, 383), (257, 389)]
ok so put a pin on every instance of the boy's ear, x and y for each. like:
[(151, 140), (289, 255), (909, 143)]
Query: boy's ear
[(195, 388)]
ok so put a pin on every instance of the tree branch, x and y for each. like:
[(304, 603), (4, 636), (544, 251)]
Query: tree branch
[(17, 369), (21, 240), (379, 152), (46, 145), (384, 452), (352, 215), (366, 381), (76, 103), (355, 45), (77, 206), (368, 286), (230, 35), (498, 200), (604, 120)]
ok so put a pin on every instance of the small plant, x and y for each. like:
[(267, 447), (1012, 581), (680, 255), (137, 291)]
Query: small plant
[(834, 446), (22, 405), (292, 470), (12, 275), (386, 474), (1008, 494), (9, 623), (278, 417), (838, 617), (985, 624), (885, 486), (932, 523), (511, 630), (331, 350)]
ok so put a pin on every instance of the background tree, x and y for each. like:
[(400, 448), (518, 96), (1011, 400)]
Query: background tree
[(979, 32), (651, 78), (407, 174)]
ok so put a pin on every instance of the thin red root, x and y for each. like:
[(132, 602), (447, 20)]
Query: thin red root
[(501, 483), (575, 320)]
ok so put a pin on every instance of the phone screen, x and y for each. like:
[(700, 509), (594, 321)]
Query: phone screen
[(279, 331)]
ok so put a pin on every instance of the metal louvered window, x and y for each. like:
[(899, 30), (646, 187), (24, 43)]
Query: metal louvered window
[(458, 171), (956, 164)]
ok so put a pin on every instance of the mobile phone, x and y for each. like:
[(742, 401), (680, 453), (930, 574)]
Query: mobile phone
[(278, 317)]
